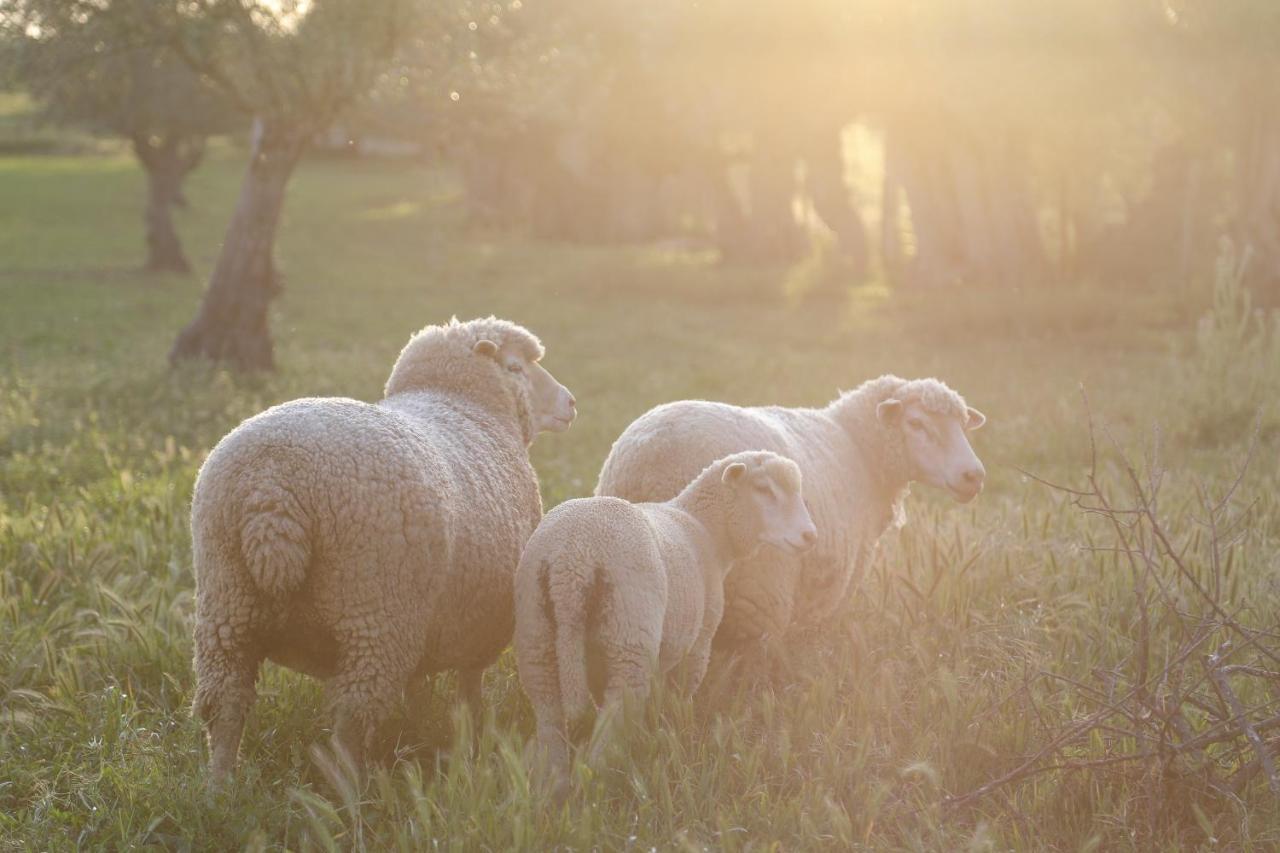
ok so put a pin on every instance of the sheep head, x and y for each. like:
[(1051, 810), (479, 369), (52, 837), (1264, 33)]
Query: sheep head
[(768, 507), (932, 422), (551, 405), (492, 361)]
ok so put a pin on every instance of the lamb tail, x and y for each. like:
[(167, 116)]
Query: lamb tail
[(275, 542), (568, 612)]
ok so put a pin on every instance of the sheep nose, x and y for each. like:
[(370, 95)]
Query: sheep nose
[(809, 537), (573, 402), (975, 476)]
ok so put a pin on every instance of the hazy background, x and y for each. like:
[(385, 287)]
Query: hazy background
[(1067, 211), (932, 143)]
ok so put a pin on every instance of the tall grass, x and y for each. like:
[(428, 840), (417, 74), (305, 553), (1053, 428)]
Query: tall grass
[(952, 666), (1231, 381)]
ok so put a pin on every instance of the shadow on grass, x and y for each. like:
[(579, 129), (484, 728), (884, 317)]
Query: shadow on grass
[(98, 275)]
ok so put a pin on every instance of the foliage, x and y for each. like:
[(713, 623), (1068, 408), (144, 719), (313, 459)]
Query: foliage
[(293, 65), (290, 63), (1018, 137), (1232, 377), (85, 67)]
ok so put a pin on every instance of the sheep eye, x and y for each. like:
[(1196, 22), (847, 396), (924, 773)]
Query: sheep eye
[(916, 423), (762, 488), (515, 367)]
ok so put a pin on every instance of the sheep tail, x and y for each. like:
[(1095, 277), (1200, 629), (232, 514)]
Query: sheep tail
[(568, 612), (275, 542)]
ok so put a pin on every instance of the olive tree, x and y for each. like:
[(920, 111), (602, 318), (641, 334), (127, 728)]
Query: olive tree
[(293, 66), (80, 64)]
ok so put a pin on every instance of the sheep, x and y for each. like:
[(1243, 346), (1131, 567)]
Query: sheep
[(371, 545), (628, 588), (858, 455)]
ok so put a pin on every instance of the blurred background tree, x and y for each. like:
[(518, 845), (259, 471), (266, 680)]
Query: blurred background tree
[(1009, 144), (937, 143), (79, 65), (294, 66)]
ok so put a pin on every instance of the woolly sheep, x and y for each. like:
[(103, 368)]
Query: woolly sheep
[(858, 455), (372, 544), (628, 588)]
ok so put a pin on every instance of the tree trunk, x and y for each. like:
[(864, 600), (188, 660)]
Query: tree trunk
[(1257, 214), (936, 259), (231, 325), (190, 155), (775, 235), (1162, 232), (892, 253), (732, 237), (972, 215), (164, 250), (832, 199), (166, 162)]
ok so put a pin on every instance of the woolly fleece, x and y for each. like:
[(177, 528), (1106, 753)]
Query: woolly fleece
[(637, 588), (856, 476), (366, 543)]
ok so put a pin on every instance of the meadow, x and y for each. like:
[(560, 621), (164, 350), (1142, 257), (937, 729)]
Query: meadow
[(953, 663)]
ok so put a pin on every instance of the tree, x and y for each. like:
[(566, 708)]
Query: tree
[(76, 64), (294, 66)]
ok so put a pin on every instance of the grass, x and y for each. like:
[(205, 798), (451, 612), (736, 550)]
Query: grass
[(906, 700)]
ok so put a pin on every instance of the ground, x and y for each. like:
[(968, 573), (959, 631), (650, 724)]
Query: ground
[(896, 707)]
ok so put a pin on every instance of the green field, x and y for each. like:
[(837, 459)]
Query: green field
[(930, 686)]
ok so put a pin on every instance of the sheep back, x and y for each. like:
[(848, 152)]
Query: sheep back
[(624, 585), (666, 447), (402, 519)]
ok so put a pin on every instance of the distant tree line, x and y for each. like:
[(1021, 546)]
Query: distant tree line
[(1022, 143), (76, 66), (166, 73), (1017, 144)]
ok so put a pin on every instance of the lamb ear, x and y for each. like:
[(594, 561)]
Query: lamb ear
[(485, 348), (976, 419), (732, 472), (889, 411)]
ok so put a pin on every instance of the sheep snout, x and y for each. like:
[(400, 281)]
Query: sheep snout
[(968, 484)]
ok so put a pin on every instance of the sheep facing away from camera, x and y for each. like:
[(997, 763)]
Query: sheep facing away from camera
[(858, 456), (371, 544), (625, 589)]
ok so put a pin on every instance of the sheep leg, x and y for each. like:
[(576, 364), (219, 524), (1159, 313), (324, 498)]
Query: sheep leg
[(759, 603), (418, 697), (470, 685), (225, 676), (627, 683), (471, 689), (362, 696), (696, 666), (551, 749)]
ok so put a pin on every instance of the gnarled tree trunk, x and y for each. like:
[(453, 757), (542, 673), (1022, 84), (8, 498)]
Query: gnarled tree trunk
[(167, 162), (969, 197), (1163, 230), (164, 250), (893, 256), (231, 325), (833, 201), (1257, 215), (776, 236)]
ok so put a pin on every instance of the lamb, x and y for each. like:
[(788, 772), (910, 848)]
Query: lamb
[(858, 456), (624, 589), (372, 545)]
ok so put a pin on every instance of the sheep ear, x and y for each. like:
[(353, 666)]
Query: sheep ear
[(889, 411), (486, 348), (976, 419), (732, 472)]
